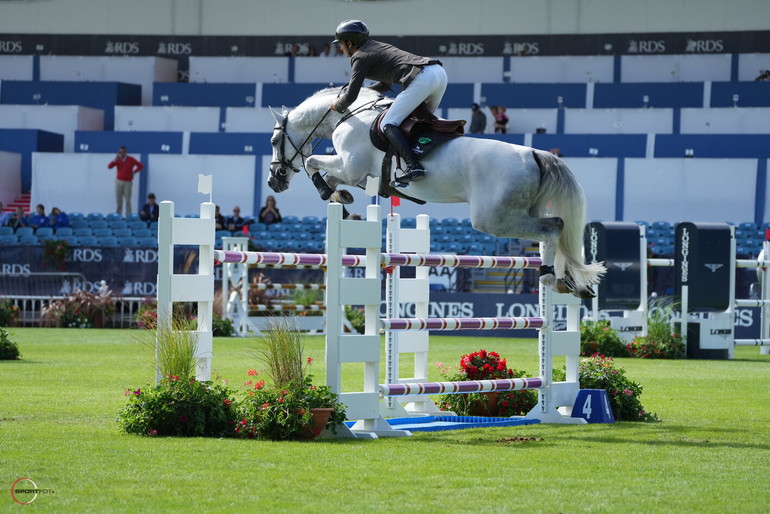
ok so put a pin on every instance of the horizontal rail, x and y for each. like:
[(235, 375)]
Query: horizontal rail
[(469, 386), (287, 286), (462, 323), (663, 263), (752, 342), (386, 259), (287, 307), (751, 303)]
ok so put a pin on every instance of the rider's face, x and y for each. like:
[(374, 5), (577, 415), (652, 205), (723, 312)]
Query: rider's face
[(348, 49)]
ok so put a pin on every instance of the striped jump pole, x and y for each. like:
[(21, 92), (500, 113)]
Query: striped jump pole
[(519, 323), (469, 386)]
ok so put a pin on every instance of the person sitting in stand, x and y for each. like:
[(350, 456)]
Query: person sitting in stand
[(269, 213), (151, 210), (58, 218), (235, 223), (422, 80), (39, 219), (18, 219), (219, 221), (5, 217)]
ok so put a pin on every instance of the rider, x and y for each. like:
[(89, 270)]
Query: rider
[(422, 80)]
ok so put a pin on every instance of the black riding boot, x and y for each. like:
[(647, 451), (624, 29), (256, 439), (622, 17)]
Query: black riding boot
[(414, 170)]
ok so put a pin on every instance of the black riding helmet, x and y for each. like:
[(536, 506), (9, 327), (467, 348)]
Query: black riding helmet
[(352, 30)]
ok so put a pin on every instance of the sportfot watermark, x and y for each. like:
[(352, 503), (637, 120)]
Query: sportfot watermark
[(25, 491)]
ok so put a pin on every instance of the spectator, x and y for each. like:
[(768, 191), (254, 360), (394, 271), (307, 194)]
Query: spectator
[(5, 217), (501, 119), (18, 220), (58, 218), (478, 120), (764, 76), (219, 220), (151, 210), (556, 152), (326, 51), (39, 219), (127, 168), (269, 213), (235, 223)]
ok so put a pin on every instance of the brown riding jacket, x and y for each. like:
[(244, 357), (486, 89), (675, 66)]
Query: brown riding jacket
[(383, 62)]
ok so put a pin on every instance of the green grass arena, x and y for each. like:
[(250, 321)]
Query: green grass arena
[(58, 406)]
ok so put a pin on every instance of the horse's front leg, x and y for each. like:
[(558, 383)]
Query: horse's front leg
[(327, 187)]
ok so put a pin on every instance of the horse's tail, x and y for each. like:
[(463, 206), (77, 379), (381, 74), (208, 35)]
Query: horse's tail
[(560, 195)]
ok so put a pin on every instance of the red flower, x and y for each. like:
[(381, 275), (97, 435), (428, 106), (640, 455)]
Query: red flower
[(253, 373), (310, 360), (259, 385), (264, 406), (137, 392), (280, 399), (227, 402)]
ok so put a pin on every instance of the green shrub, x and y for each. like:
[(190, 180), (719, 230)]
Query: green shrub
[(599, 337), (8, 349), (222, 327), (9, 314), (662, 340), (177, 407), (599, 372), (355, 316)]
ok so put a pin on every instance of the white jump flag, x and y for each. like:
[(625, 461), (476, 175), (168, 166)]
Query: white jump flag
[(372, 186), (204, 185)]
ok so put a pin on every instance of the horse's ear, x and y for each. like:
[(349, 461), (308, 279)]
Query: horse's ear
[(285, 111), (276, 115)]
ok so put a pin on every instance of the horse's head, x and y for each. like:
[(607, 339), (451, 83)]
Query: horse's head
[(282, 167)]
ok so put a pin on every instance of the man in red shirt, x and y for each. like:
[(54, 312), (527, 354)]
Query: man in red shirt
[(127, 168)]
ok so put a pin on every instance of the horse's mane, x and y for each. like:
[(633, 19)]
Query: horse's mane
[(323, 98)]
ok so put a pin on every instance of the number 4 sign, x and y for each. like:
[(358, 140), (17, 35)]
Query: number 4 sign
[(593, 405)]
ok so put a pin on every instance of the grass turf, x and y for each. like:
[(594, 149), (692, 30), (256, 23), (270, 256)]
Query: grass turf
[(57, 426)]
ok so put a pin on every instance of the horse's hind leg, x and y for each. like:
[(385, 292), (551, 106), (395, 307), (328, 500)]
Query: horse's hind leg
[(547, 230)]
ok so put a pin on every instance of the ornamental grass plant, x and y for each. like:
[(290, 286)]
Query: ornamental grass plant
[(662, 340), (600, 337)]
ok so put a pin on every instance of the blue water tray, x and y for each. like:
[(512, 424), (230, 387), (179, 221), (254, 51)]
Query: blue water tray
[(441, 423)]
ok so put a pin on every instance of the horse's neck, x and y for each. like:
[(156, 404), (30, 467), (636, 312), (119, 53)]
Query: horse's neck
[(308, 115)]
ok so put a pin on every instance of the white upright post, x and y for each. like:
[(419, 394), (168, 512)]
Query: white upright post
[(165, 271), (235, 288), (764, 279)]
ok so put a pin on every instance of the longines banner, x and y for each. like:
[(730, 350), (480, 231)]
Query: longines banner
[(182, 47), (133, 271)]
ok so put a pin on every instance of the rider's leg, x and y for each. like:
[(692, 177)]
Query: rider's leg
[(428, 86)]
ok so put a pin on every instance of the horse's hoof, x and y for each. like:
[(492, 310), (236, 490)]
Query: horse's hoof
[(548, 280), (585, 294), (342, 196), (563, 286)]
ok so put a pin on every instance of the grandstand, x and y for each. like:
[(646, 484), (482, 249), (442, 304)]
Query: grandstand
[(654, 136)]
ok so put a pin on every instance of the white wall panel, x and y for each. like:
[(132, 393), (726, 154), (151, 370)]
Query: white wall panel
[(10, 176), (689, 189), (751, 65), (726, 120), (473, 69), (598, 177), (675, 68), (175, 178), (551, 69), (618, 121), (77, 182), (249, 119), (334, 70), (61, 119), (132, 70), (239, 69), (170, 119), (16, 67), (521, 121)]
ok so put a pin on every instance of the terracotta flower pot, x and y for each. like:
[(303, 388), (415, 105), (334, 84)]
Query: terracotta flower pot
[(487, 407), (321, 417)]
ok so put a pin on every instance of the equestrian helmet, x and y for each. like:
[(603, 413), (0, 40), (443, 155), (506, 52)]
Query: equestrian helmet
[(352, 30)]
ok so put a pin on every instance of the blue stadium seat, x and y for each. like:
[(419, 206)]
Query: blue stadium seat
[(102, 232), (25, 231), (76, 216), (142, 232), (64, 232), (147, 242), (136, 224), (95, 216), (44, 232), (116, 224), (133, 217), (113, 216), (29, 240), (122, 232), (108, 241), (88, 241), (8, 240), (83, 231), (94, 224), (127, 241), (6, 231), (71, 240), (219, 234), (82, 223)]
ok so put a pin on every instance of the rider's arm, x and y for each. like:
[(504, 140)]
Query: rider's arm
[(357, 76)]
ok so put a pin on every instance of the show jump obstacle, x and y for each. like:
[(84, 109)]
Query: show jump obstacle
[(555, 398)]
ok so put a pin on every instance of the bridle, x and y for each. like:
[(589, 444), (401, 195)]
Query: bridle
[(284, 164)]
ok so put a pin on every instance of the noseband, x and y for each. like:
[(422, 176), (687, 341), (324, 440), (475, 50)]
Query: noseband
[(283, 162)]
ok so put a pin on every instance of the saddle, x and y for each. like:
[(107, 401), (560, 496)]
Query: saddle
[(424, 130)]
